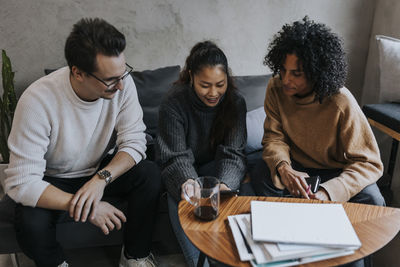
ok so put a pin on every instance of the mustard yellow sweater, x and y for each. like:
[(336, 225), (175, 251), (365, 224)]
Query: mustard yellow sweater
[(333, 134)]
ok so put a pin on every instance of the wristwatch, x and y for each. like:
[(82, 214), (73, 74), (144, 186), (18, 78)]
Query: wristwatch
[(106, 175)]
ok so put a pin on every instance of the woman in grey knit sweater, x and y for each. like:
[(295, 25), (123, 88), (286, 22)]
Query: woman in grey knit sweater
[(202, 131)]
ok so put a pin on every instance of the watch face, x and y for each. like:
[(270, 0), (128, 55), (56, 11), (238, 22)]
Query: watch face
[(106, 175)]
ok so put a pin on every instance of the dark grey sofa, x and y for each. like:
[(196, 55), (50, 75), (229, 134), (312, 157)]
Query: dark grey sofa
[(151, 86)]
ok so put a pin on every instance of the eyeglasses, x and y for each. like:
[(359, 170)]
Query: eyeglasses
[(115, 81)]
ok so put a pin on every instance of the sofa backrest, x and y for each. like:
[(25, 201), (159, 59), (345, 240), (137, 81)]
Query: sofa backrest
[(252, 88), (151, 86)]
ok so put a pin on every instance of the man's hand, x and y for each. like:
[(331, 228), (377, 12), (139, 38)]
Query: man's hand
[(108, 217), (294, 180), (87, 198)]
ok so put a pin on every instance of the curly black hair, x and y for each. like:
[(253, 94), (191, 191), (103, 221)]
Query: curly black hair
[(320, 53)]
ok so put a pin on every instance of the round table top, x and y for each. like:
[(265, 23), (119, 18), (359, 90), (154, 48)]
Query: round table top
[(374, 225)]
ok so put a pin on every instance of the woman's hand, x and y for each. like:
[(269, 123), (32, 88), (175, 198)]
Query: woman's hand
[(294, 181), (189, 191), (321, 194), (224, 187)]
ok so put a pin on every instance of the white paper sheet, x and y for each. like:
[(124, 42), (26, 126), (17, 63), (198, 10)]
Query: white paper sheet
[(260, 256), (239, 241), (302, 223)]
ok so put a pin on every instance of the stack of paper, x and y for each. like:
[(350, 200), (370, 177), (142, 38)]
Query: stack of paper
[(286, 234)]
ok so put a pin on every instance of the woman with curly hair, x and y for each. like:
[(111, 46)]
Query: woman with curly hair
[(313, 124), (202, 131)]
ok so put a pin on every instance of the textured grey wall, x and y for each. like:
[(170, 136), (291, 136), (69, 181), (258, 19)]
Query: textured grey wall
[(160, 33)]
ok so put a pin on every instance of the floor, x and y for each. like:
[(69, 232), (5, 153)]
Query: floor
[(99, 257), (109, 256)]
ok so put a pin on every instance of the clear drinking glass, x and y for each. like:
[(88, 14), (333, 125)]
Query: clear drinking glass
[(203, 194)]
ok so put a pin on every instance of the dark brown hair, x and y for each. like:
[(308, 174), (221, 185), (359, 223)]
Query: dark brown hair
[(208, 54), (90, 37)]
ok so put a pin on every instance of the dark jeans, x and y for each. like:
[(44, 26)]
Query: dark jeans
[(263, 186), (140, 186)]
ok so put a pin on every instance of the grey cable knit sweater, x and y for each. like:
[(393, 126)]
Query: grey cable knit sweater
[(183, 141)]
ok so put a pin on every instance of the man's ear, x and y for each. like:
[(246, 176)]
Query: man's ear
[(77, 73)]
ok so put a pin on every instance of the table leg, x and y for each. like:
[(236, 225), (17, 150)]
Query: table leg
[(202, 258), (14, 260), (386, 181), (392, 160)]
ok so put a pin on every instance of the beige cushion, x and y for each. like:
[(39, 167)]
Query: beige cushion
[(389, 68), (255, 129)]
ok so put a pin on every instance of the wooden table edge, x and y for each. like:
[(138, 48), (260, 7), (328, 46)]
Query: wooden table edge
[(393, 212)]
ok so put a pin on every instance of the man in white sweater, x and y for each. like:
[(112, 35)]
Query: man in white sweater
[(64, 126)]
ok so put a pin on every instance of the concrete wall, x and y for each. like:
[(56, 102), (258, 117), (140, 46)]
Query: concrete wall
[(386, 22), (160, 33)]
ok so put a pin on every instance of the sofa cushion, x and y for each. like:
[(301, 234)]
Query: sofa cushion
[(389, 68), (252, 88), (255, 129), (151, 86)]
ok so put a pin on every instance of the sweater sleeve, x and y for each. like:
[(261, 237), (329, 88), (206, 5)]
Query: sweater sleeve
[(28, 143), (175, 157), (275, 141), (230, 157), (363, 164), (129, 125)]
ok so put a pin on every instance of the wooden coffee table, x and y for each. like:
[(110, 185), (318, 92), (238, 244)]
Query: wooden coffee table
[(375, 227)]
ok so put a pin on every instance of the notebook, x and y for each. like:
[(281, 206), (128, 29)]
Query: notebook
[(303, 223), (261, 253)]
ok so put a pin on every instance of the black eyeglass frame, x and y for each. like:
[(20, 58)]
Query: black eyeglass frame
[(112, 84)]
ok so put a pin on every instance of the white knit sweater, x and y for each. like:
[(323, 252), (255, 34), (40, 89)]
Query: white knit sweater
[(55, 133)]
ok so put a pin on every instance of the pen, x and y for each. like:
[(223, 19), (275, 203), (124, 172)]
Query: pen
[(308, 189)]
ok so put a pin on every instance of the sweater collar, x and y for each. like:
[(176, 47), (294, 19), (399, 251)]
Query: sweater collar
[(74, 98), (305, 100)]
